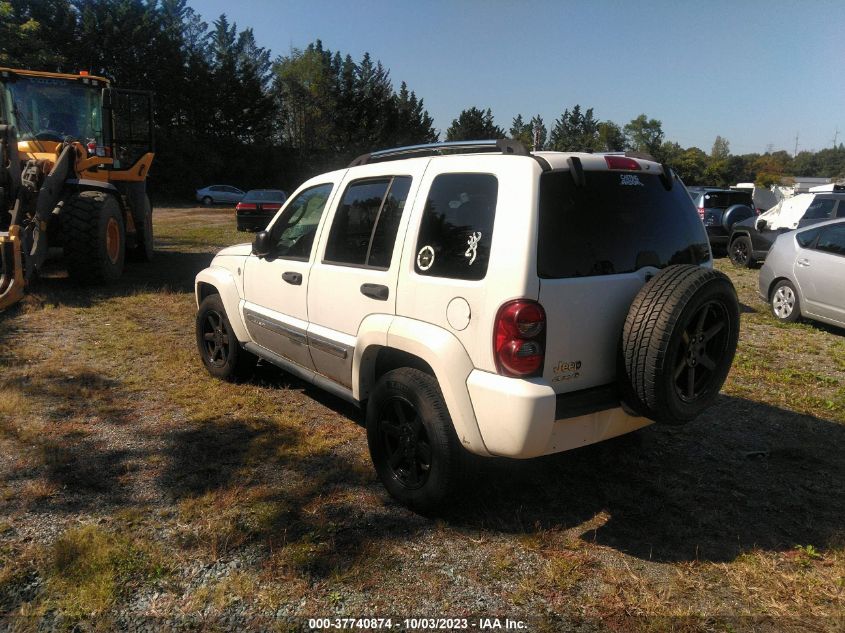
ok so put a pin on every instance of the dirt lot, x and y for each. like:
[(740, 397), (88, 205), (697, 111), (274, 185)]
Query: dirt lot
[(136, 492)]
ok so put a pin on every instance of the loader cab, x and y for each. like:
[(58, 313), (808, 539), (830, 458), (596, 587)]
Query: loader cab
[(48, 108)]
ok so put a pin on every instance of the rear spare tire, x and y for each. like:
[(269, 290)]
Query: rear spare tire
[(679, 341), (736, 213), (94, 237)]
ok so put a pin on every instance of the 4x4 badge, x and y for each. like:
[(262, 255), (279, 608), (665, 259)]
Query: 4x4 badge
[(425, 258)]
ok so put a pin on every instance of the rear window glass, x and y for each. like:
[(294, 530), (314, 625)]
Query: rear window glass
[(617, 223), (457, 227), (265, 196), (718, 199)]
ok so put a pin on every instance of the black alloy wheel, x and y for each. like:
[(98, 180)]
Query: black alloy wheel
[(704, 342), (216, 339), (406, 444), (739, 253)]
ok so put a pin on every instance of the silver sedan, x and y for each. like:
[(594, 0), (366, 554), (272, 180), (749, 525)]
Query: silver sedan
[(804, 274)]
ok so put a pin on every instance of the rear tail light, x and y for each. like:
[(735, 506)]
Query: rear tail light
[(246, 206), (519, 338), (271, 206), (622, 162)]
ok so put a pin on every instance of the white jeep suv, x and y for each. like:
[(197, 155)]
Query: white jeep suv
[(475, 297)]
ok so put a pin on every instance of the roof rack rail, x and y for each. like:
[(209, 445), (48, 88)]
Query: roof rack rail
[(504, 146)]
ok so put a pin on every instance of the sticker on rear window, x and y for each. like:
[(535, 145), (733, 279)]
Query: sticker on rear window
[(425, 258), (630, 180), (472, 242)]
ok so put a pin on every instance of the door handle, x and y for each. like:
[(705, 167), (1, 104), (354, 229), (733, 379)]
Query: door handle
[(803, 261), (295, 279), (375, 291)]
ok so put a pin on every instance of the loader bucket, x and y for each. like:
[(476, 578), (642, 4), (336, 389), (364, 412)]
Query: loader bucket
[(11, 268)]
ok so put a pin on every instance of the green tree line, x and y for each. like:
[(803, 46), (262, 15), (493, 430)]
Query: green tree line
[(228, 111)]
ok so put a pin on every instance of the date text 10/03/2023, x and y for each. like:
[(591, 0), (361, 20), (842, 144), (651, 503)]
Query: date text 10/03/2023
[(426, 624)]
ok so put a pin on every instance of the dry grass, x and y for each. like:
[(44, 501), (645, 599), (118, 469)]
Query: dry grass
[(108, 421)]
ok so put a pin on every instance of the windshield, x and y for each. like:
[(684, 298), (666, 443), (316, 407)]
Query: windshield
[(47, 109), (617, 223)]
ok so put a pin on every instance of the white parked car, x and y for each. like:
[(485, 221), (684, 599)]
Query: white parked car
[(804, 274), (489, 300)]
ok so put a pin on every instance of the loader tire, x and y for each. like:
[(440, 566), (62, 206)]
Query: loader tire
[(94, 237), (678, 342), (142, 250)]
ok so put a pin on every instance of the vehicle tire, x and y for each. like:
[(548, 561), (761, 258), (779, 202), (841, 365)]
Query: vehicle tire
[(94, 237), (785, 305), (219, 349), (143, 249), (413, 444), (740, 251), (207, 201), (736, 213), (678, 342)]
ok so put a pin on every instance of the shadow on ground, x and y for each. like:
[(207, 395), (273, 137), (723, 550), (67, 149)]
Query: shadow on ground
[(743, 475), (174, 270)]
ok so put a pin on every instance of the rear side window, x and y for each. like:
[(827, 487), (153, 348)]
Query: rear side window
[(832, 240), (457, 227), (819, 210), (725, 199), (616, 223), (840, 212), (364, 228)]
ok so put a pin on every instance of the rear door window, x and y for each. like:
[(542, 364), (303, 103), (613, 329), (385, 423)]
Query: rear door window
[(457, 227), (364, 227), (832, 240), (616, 223)]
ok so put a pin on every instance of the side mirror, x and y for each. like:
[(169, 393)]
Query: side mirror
[(261, 244)]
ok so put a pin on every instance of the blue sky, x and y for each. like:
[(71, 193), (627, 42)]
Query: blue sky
[(756, 73)]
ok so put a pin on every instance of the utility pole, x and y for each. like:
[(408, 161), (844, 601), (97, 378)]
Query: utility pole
[(795, 153)]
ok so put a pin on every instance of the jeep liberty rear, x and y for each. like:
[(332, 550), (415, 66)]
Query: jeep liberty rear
[(488, 301)]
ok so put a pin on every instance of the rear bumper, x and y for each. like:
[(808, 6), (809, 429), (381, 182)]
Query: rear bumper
[(524, 418)]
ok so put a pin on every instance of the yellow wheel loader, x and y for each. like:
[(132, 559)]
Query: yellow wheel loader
[(74, 158)]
